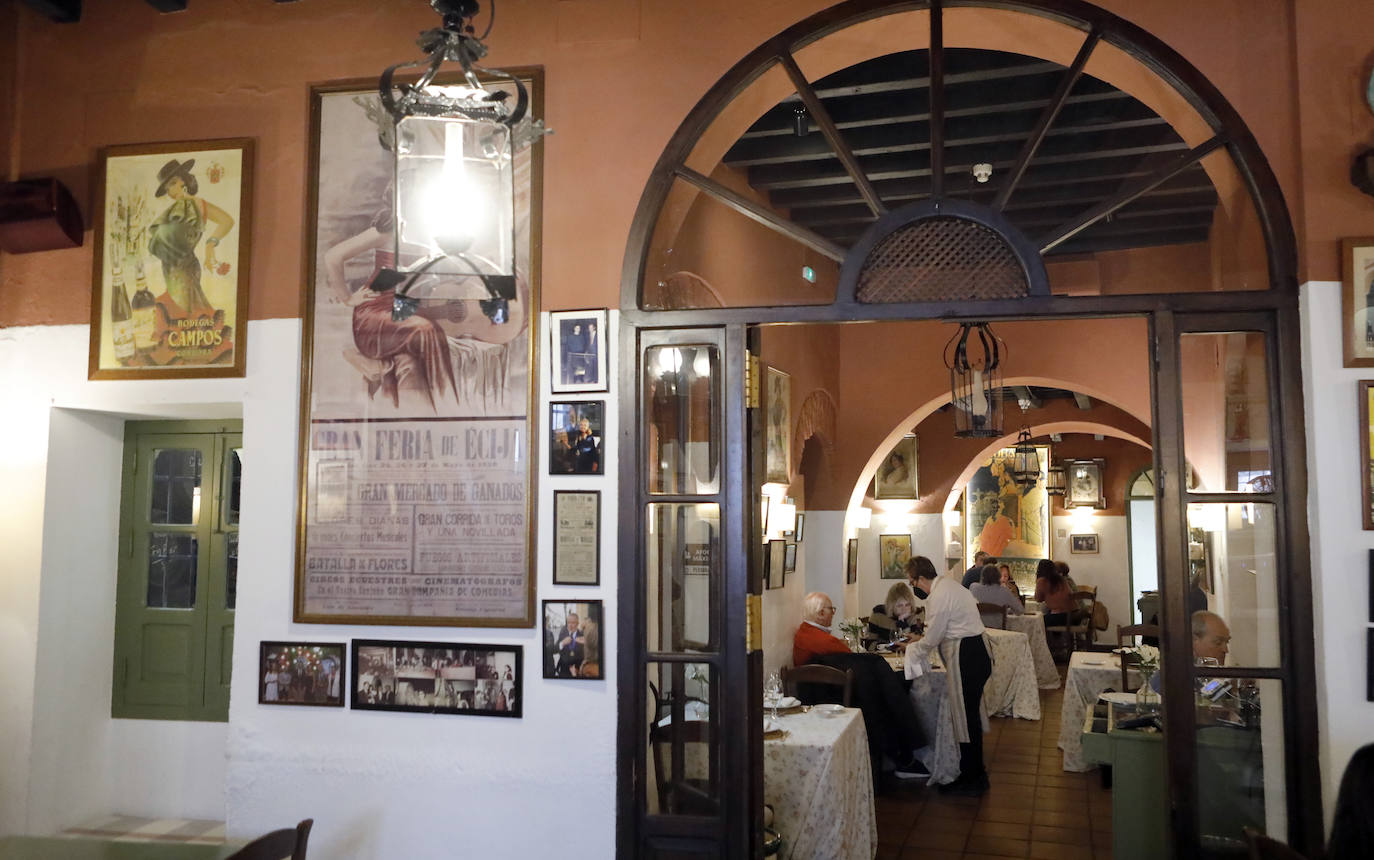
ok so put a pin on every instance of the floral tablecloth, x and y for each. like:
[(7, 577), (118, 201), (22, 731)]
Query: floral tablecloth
[(1033, 625), (930, 697), (1011, 690), (819, 781), (1090, 673)]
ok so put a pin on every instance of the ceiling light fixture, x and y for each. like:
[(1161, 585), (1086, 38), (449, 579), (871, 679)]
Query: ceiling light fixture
[(975, 375), (1025, 469)]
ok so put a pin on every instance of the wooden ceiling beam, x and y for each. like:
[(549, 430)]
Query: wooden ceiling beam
[(57, 11), (936, 125), (165, 6), (763, 214)]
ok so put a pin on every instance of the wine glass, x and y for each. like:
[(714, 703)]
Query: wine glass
[(772, 692)]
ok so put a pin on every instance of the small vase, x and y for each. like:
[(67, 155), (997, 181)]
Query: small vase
[(853, 642), (1146, 699)]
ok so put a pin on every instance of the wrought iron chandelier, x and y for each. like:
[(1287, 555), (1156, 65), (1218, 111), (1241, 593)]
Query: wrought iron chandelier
[(975, 377), (1055, 482), (1025, 461)]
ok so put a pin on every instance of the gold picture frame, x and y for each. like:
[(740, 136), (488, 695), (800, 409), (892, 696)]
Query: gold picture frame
[(777, 398), (1357, 301)]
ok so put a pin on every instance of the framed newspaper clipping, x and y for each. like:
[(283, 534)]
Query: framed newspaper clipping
[(416, 497)]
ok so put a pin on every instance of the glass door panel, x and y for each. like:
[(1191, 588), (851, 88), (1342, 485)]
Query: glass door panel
[(1232, 558), (682, 573), (1225, 382), (1240, 761)]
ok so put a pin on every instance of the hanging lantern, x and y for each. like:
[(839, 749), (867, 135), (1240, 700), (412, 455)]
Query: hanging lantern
[(1025, 469), (975, 377), (1054, 481)]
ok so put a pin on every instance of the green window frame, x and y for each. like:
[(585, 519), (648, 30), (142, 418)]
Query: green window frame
[(178, 570)]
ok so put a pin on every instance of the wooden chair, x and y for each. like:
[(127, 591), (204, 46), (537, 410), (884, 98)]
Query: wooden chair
[(813, 673), (1083, 627), (1123, 636), (285, 844), (994, 612), (679, 794), (1264, 848)]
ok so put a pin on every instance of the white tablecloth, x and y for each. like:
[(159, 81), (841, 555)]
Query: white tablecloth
[(820, 784), (930, 697), (1033, 625), (1012, 690), (1090, 672)]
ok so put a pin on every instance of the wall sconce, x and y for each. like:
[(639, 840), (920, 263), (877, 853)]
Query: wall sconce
[(1025, 460), (975, 379), (861, 517), (782, 518), (453, 149)]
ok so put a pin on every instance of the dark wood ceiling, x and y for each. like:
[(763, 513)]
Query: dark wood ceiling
[(1101, 143)]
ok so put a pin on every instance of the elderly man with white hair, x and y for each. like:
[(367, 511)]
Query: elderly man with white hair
[(889, 718)]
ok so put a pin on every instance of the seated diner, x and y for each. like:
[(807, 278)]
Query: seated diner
[(1053, 593), (899, 613), (990, 590)]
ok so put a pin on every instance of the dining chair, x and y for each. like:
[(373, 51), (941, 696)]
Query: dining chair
[(1124, 635), (285, 844), (678, 792), (812, 673), (1083, 627), (995, 613), (1264, 848)]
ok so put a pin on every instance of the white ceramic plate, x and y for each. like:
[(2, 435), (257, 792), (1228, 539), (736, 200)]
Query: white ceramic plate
[(829, 710), (788, 702)]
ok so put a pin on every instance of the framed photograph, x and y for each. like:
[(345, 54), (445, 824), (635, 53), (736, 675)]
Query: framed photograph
[(801, 523), (789, 562), (572, 640), (894, 552), (437, 677), (851, 564), (576, 436), (417, 503), (776, 570), (1357, 301), (577, 351), (1369, 665), (172, 228), (1367, 454), (1371, 586), (896, 475), (1083, 483), (1083, 543), (763, 513), (777, 398), (301, 673), (576, 537)]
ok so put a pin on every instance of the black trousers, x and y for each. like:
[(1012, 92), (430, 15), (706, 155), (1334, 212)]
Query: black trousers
[(881, 695), (975, 667)]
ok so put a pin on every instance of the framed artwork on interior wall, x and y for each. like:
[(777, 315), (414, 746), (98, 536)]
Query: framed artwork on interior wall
[(789, 564), (1367, 454), (577, 351), (893, 551), (801, 525), (1357, 301), (301, 673), (172, 228), (1005, 519), (776, 563), (778, 426), (1369, 665), (437, 677), (1083, 483), (576, 537), (416, 496), (896, 475), (763, 514), (577, 435), (1083, 543), (572, 639), (851, 565)]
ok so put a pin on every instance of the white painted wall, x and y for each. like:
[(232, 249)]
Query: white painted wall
[(1109, 569), (927, 538), (1340, 548)]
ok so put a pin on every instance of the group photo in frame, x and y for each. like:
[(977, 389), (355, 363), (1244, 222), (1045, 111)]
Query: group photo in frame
[(896, 475), (301, 673), (576, 537), (1083, 543), (577, 350), (577, 433), (1357, 301), (172, 230), (573, 647), (416, 434), (1083, 486), (437, 677)]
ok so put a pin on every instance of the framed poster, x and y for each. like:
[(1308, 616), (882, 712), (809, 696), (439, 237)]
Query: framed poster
[(577, 433), (416, 502), (301, 673), (1083, 483), (576, 537), (1367, 455), (577, 351), (1004, 519), (572, 640), (894, 551), (1083, 543), (437, 677), (172, 237), (775, 572), (778, 426), (1357, 301), (851, 565), (896, 475)]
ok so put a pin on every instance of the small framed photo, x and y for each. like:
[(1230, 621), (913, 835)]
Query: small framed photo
[(578, 351), (789, 562), (896, 475), (851, 564), (576, 537), (576, 435), (763, 514), (1083, 543), (895, 551), (1357, 301), (301, 673), (801, 523), (776, 570), (572, 640), (1083, 483), (1367, 454), (437, 677)]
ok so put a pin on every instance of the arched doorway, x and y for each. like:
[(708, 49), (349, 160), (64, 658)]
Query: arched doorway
[(680, 490)]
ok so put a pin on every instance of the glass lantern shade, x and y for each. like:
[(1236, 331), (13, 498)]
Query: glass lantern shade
[(975, 380), (1054, 481), (1025, 461), (455, 197)]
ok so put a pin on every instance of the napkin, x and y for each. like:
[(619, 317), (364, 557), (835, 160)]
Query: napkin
[(917, 667)]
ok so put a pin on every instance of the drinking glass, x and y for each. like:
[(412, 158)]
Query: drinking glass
[(772, 691)]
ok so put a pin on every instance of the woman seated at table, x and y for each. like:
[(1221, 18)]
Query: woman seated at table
[(1009, 583), (990, 590), (1052, 591), (899, 610)]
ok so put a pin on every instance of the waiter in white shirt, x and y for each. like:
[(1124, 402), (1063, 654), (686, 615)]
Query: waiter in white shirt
[(954, 628)]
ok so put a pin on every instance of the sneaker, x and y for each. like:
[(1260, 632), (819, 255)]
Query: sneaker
[(911, 769)]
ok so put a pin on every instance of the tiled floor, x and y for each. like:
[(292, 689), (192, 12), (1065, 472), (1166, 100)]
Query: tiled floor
[(126, 828), (1033, 810)]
